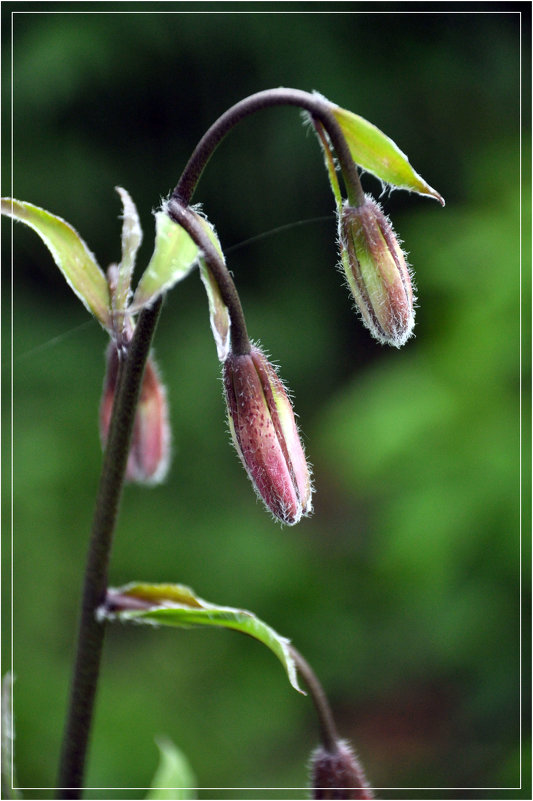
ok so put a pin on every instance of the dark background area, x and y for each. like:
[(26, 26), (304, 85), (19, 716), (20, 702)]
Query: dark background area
[(403, 589)]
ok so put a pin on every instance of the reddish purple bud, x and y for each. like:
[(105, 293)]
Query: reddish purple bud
[(377, 272), (265, 435), (338, 774), (148, 458)]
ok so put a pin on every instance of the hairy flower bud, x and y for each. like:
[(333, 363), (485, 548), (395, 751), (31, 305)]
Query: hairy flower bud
[(150, 446), (265, 435), (338, 774), (377, 272)]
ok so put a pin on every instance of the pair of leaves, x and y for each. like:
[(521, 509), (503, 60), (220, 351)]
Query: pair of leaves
[(174, 256)]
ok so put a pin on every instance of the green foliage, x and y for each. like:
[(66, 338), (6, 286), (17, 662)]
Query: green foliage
[(70, 253), (173, 778), (377, 153), (173, 258), (218, 311), (131, 241), (177, 606)]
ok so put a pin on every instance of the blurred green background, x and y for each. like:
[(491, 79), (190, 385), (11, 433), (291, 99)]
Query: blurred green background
[(403, 589)]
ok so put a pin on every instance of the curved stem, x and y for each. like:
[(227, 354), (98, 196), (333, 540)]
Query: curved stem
[(90, 630), (316, 105), (240, 342), (328, 730)]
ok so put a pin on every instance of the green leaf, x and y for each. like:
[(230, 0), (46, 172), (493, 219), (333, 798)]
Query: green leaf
[(218, 311), (329, 160), (177, 605), (69, 252), (173, 778), (376, 153), (131, 241), (173, 258)]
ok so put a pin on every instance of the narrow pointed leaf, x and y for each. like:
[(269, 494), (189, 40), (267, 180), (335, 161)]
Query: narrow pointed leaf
[(330, 163), (131, 240), (177, 605), (173, 258), (173, 778), (376, 153), (70, 253), (218, 311)]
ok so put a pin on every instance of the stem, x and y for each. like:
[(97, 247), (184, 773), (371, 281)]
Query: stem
[(328, 730), (316, 105), (240, 342), (91, 631)]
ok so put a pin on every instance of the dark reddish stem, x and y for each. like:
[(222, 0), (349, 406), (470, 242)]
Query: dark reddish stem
[(91, 630), (315, 105)]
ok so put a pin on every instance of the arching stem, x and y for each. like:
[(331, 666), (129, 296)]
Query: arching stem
[(185, 217), (315, 105)]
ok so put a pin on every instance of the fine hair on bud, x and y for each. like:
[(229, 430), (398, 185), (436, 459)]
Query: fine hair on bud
[(264, 432), (338, 774), (377, 272)]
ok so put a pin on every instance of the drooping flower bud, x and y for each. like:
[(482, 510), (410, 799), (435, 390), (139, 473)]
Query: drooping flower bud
[(265, 435), (338, 774), (148, 458), (377, 272)]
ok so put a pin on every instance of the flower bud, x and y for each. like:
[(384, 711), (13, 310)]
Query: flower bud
[(148, 458), (338, 774), (265, 435), (377, 272)]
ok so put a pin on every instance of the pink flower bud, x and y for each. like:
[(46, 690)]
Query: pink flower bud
[(265, 435), (148, 458), (338, 774), (377, 272)]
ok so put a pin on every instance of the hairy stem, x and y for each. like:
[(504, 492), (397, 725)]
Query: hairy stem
[(91, 631), (315, 105)]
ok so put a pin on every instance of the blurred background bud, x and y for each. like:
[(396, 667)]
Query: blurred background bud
[(338, 774), (265, 435), (148, 459), (377, 272)]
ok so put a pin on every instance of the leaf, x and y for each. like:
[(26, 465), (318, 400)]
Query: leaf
[(177, 605), (173, 778), (131, 241), (330, 163), (376, 153), (218, 311), (173, 258), (69, 252)]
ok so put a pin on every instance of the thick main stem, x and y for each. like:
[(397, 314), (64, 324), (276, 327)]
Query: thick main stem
[(316, 105), (91, 631)]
